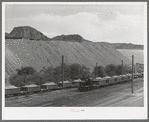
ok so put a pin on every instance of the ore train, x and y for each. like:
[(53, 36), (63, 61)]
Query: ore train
[(82, 85)]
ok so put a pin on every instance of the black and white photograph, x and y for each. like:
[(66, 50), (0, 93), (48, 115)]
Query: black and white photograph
[(74, 60)]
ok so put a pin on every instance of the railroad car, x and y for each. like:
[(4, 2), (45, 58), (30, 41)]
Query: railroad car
[(49, 86), (125, 78), (119, 78), (76, 83), (129, 76), (97, 81), (111, 80), (66, 84), (115, 79), (106, 80), (12, 90), (32, 88)]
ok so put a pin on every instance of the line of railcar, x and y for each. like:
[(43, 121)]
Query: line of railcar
[(82, 85), (105, 81)]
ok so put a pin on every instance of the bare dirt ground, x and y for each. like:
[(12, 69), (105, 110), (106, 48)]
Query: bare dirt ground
[(113, 95)]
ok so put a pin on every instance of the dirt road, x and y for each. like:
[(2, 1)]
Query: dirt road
[(112, 95)]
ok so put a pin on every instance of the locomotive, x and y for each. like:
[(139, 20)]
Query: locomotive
[(85, 85)]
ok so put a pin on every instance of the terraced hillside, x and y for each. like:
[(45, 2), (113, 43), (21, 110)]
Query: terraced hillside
[(24, 52)]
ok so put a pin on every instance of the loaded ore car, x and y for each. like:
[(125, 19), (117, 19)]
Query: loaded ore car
[(115, 79), (76, 83), (106, 80), (49, 86), (30, 88), (129, 76), (97, 82), (119, 79), (125, 78), (66, 84), (111, 80), (12, 90)]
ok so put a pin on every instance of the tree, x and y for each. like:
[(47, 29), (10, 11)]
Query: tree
[(47, 74), (26, 71), (58, 73), (85, 72), (34, 79), (25, 75), (75, 71), (99, 71), (16, 80), (126, 69), (110, 70)]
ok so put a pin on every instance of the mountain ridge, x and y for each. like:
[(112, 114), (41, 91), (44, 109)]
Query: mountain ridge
[(27, 32)]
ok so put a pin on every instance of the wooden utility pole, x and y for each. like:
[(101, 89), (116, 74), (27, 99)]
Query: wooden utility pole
[(96, 69), (122, 67), (62, 70), (132, 75)]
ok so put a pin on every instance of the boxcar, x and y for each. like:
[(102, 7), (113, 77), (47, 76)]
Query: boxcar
[(66, 84), (12, 90), (49, 86), (76, 83), (30, 88)]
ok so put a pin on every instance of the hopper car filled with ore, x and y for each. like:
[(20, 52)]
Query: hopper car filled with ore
[(66, 84), (32, 88), (12, 90), (82, 85), (49, 86)]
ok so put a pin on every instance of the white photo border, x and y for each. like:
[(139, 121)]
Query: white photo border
[(59, 113)]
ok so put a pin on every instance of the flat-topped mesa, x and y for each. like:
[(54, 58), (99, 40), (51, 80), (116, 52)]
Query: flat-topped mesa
[(26, 32), (70, 38)]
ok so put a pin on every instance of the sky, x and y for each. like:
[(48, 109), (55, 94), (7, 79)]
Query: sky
[(114, 23)]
